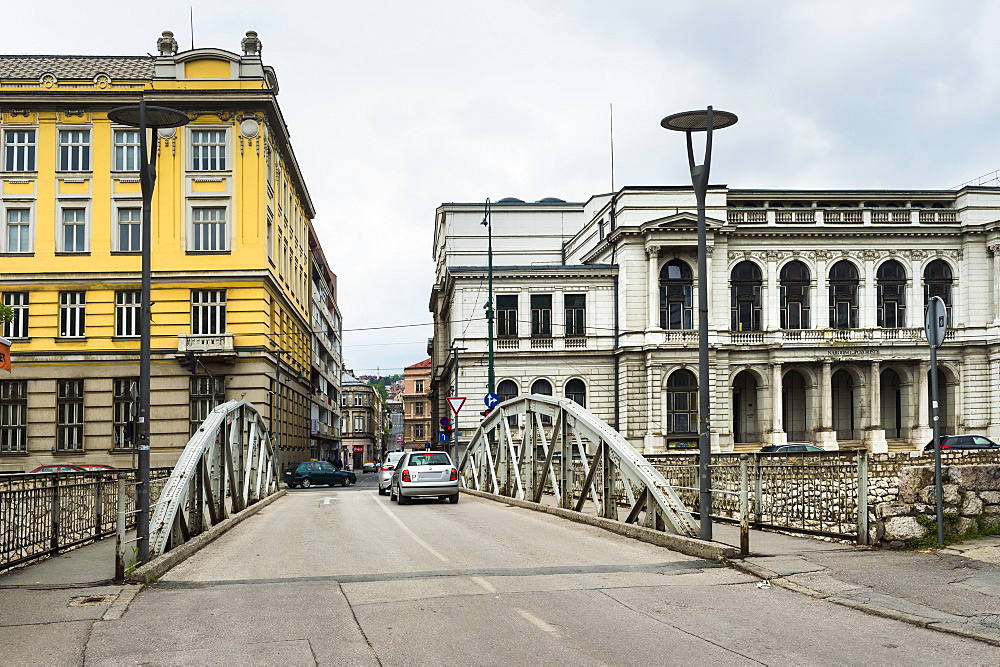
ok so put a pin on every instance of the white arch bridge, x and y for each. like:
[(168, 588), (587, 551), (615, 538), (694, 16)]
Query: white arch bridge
[(565, 451)]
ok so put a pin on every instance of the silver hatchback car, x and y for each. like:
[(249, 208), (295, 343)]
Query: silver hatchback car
[(424, 474), (385, 471)]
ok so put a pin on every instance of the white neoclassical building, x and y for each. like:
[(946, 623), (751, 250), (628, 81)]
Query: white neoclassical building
[(816, 311)]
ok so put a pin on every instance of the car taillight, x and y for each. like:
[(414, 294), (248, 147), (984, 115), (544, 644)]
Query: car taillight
[(405, 476), (453, 476), (384, 468)]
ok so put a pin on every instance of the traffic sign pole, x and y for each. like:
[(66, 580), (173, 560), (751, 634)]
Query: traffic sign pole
[(934, 328)]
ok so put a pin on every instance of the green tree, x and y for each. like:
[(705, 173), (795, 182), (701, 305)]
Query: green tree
[(6, 313)]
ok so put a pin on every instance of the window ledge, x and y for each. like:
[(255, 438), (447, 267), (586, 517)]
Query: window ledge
[(69, 339), (13, 454), (68, 253), (133, 253), (26, 175), (209, 252), (68, 452), (17, 254)]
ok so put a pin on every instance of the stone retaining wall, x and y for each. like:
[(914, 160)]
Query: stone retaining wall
[(971, 496)]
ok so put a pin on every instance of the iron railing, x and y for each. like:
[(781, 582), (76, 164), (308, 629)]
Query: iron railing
[(43, 514)]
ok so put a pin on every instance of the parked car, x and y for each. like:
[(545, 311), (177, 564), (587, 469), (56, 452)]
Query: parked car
[(371, 466), (59, 467), (789, 448), (963, 442), (424, 473), (307, 473), (385, 472), (95, 467)]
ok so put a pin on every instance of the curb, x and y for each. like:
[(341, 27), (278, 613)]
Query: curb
[(866, 607), (686, 545), (157, 567)]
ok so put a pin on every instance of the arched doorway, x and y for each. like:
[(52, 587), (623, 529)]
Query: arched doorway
[(746, 427), (843, 394), (894, 405), (795, 407), (681, 409)]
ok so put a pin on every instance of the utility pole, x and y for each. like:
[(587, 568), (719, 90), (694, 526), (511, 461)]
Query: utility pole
[(491, 381)]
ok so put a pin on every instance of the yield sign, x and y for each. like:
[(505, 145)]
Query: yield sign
[(456, 403)]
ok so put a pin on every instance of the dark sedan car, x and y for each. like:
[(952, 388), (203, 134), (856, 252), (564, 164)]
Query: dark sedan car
[(963, 442), (307, 473), (790, 448)]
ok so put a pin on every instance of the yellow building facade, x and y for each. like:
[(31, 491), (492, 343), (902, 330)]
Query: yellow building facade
[(230, 254)]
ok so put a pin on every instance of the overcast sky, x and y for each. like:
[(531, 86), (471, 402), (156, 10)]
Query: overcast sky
[(397, 106)]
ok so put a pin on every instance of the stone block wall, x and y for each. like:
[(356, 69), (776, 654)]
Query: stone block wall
[(971, 496)]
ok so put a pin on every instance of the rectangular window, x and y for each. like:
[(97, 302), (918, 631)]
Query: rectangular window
[(576, 314), (206, 394), (13, 415), (359, 424), (129, 230), (208, 312), (208, 150), (506, 316), (74, 150), (74, 230), (18, 234), (418, 431), (72, 314), (69, 416), (541, 315), (128, 308), (126, 150), (17, 327), (418, 386), (126, 392), (418, 409), (19, 150), (358, 400), (209, 229)]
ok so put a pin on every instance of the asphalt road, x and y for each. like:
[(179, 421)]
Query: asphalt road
[(341, 575)]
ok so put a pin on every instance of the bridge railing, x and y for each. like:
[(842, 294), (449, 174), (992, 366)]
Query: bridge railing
[(43, 514), (566, 451), (229, 464)]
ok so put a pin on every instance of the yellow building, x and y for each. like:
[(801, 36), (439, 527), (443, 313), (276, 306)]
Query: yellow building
[(230, 254)]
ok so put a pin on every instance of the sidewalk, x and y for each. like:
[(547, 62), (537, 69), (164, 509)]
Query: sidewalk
[(954, 590)]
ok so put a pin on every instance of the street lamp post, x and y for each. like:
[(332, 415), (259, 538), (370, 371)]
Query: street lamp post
[(144, 116), (688, 122), (491, 380)]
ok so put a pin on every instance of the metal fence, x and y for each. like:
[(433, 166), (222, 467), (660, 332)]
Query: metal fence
[(43, 514)]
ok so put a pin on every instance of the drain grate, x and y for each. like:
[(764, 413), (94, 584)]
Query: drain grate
[(88, 600)]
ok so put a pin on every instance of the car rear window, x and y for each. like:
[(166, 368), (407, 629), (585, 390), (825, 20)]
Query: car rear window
[(429, 460)]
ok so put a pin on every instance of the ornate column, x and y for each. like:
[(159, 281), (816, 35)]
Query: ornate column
[(869, 292), (874, 433), (772, 318), (915, 293), (826, 437), (922, 433), (653, 287), (820, 315), (778, 435)]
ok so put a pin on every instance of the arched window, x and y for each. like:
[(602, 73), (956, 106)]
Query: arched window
[(544, 387), (541, 386), (675, 295), (891, 295), (794, 280), (843, 295), (744, 294), (506, 390), (937, 282), (682, 403), (577, 391)]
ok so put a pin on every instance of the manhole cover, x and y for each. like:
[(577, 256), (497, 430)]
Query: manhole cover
[(87, 600)]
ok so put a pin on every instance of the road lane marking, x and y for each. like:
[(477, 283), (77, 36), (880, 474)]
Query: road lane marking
[(409, 532), (326, 501), (537, 622), (485, 585)]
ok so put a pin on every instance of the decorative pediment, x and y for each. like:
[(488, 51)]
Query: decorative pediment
[(684, 220)]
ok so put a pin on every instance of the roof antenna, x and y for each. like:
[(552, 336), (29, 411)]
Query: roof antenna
[(192, 27)]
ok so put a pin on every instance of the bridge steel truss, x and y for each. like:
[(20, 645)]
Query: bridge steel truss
[(567, 453), (228, 465)]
